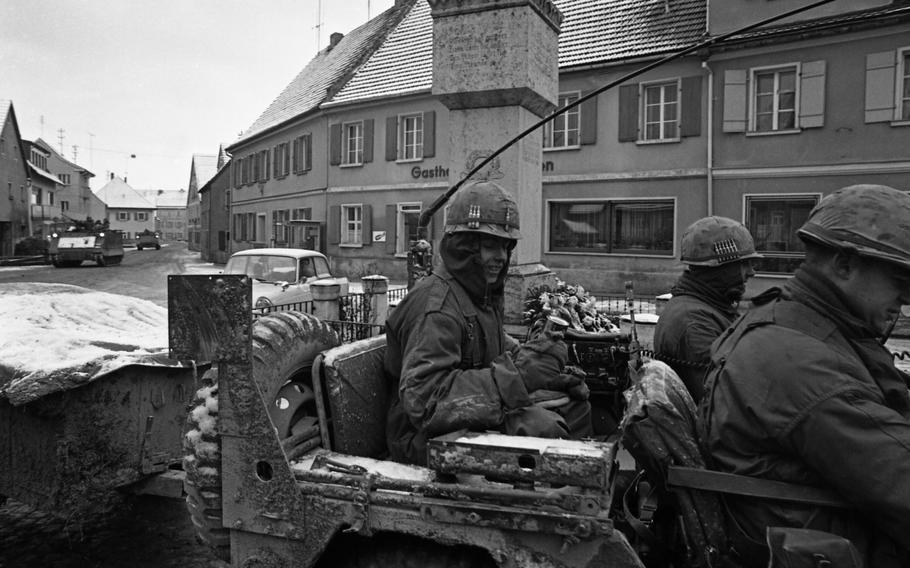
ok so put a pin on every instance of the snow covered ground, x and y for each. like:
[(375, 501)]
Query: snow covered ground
[(48, 327)]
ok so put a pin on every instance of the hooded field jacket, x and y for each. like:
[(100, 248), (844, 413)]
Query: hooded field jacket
[(802, 392)]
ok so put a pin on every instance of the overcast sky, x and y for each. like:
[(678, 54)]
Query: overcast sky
[(160, 79)]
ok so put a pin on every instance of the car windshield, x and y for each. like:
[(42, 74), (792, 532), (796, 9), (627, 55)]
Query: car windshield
[(264, 267)]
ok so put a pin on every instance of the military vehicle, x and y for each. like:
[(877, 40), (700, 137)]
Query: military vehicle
[(83, 241)]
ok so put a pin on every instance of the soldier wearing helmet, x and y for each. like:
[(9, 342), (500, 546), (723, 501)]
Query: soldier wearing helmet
[(801, 389), (451, 364), (718, 253)]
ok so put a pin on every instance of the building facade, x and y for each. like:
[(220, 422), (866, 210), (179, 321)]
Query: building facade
[(73, 196), (757, 128), (202, 168), (14, 177), (127, 210)]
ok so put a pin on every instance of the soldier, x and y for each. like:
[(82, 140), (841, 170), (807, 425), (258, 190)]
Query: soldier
[(450, 362), (802, 390), (718, 253)]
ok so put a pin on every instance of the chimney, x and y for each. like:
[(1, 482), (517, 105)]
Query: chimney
[(334, 39)]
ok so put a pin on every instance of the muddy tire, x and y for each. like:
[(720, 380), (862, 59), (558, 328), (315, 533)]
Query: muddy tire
[(284, 346)]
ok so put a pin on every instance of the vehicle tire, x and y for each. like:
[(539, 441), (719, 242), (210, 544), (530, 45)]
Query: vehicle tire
[(157, 247), (101, 261), (284, 346), (138, 247), (394, 550)]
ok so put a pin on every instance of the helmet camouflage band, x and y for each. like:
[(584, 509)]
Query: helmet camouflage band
[(713, 241), (483, 207), (870, 220)]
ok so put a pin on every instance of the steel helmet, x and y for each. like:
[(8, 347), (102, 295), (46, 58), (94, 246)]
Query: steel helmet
[(871, 220), (483, 207), (713, 241)]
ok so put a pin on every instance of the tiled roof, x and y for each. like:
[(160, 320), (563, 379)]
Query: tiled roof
[(48, 148), (117, 194), (899, 10), (5, 105), (331, 65), (402, 64), (593, 31), (205, 166), (604, 31), (164, 198)]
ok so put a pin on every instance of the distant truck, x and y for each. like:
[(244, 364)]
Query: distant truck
[(148, 239), (84, 241)]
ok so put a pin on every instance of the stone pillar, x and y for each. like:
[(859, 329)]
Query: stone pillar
[(495, 67), (325, 300), (376, 292)]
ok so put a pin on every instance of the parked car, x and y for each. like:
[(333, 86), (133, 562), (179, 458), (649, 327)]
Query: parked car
[(147, 240), (282, 275)]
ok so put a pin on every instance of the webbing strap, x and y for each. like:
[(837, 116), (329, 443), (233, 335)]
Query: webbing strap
[(717, 481)]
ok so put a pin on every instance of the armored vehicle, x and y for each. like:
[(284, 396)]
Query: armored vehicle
[(86, 241)]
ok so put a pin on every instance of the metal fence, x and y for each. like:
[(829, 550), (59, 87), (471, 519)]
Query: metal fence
[(616, 305), (307, 307)]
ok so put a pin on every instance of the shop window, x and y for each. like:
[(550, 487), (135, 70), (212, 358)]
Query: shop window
[(642, 227), (773, 222)]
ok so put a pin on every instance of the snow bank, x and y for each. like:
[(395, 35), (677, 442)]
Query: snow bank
[(47, 328)]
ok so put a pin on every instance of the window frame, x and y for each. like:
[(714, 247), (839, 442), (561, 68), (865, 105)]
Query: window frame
[(301, 152), (748, 199), (351, 230), (902, 86), (550, 127), (352, 156), (402, 209), (611, 249), (754, 73), (644, 87), (416, 148)]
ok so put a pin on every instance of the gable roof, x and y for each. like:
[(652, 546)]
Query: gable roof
[(47, 147), (6, 107), (326, 71), (205, 167), (117, 194), (593, 32), (164, 198)]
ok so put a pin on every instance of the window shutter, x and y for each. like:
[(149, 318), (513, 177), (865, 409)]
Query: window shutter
[(368, 140), (391, 138), (880, 69), (735, 97), (334, 228), (286, 156), (588, 118), (366, 213), (335, 144), (812, 94), (429, 134), (691, 106), (391, 227), (276, 155), (628, 113), (308, 149), (267, 161)]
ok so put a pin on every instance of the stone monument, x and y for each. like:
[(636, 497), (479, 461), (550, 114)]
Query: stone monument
[(495, 67)]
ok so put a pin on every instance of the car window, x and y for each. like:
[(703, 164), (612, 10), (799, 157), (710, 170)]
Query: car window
[(321, 267), (237, 265), (306, 269)]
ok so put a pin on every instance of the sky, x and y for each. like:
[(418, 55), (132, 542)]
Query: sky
[(139, 86)]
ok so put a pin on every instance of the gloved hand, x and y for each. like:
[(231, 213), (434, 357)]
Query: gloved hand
[(581, 390), (541, 359), (535, 421)]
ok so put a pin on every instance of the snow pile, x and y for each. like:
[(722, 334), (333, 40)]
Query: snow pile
[(46, 328)]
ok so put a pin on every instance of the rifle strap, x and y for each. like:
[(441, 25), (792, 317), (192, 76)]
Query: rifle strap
[(744, 485)]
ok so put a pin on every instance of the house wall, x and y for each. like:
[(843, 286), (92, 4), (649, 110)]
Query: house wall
[(75, 194), (214, 207), (132, 225), (14, 199), (728, 15)]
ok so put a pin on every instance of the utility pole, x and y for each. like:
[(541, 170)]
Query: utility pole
[(75, 153), (318, 26), (60, 132)]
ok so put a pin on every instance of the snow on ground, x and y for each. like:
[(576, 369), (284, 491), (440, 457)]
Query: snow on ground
[(47, 327)]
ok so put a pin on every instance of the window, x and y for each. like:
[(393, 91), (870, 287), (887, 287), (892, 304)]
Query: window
[(903, 99), (773, 222), (281, 227), (64, 206), (406, 226), (410, 137), (628, 227), (38, 158), (351, 224), (64, 178), (227, 200), (352, 143), (282, 165), (563, 131), (123, 215), (141, 216), (660, 111), (773, 99), (303, 154)]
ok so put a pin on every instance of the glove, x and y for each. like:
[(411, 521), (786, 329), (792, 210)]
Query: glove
[(581, 390), (535, 421), (541, 359)]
